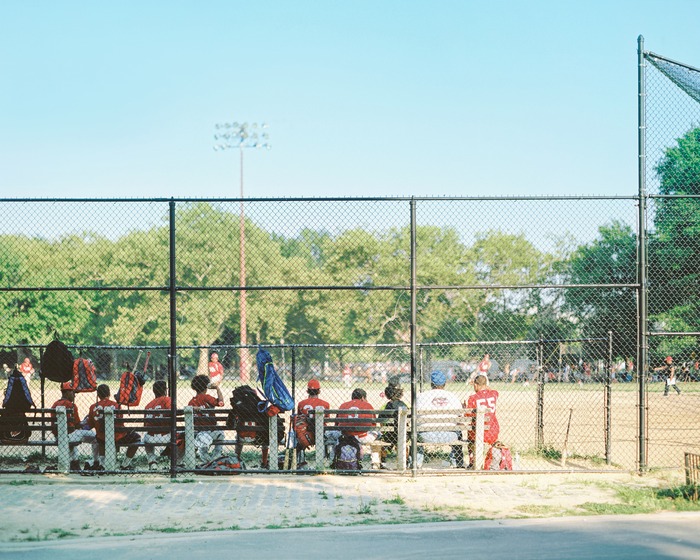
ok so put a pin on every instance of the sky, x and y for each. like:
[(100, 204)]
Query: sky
[(362, 98)]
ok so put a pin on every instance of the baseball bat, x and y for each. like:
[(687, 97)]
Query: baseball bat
[(290, 456), (564, 452)]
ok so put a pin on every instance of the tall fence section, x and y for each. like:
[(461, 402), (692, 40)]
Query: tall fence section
[(570, 305)]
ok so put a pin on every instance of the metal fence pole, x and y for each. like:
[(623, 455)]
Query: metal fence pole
[(540, 394), (414, 396), (607, 400), (172, 357), (642, 293), (294, 374)]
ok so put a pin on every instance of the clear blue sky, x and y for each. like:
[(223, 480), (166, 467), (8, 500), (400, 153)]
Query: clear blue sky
[(362, 97)]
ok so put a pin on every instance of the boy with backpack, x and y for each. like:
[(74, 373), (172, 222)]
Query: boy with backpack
[(348, 449), (122, 435), (76, 433), (304, 425), (204, 421)]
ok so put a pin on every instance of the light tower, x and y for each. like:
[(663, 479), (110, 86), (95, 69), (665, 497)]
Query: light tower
[(239, 136)]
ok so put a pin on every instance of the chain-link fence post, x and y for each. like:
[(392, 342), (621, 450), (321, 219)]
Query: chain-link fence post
[(172, 354), (642, 271), (607, 401), (540, 395), (414, 334)]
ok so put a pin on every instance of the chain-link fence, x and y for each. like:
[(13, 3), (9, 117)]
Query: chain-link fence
[(554, 300), (670, 173)]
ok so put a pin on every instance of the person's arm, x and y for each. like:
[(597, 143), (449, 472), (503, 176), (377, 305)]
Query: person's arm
[(219, 395)]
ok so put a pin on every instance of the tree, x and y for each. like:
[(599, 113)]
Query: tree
[(674, 248), (609, 259)]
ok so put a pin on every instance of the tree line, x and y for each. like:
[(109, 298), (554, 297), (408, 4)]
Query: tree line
[(207, 255)]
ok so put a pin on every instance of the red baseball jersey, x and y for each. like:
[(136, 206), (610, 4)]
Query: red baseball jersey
[(215, 368), (486, 398), (156, 422), (73, 418), (202, 417), (307, 406), (96, 420), (356, 405)]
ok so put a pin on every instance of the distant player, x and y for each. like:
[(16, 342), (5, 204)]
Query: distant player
[(668, 370), (216, 370), (27, 369)]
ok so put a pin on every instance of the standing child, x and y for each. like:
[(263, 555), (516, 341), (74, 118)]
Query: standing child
[(487, 398)]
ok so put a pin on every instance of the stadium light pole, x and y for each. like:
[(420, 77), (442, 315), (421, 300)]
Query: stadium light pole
[(239, 136)]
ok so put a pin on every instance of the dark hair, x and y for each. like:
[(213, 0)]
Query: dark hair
[(313, 392), (160, 388), (392, 392), (103, 391), (199, 383), (359, 394)]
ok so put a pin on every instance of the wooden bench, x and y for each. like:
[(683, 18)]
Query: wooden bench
[(383, 421), (133, 419), (455, 421), (40, 421)]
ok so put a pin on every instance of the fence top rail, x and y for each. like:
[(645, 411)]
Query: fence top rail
[(329, 199), (650, 54), (320, 345)]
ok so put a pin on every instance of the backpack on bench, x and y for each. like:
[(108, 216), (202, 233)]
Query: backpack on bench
[(245, 417), (348, 454)]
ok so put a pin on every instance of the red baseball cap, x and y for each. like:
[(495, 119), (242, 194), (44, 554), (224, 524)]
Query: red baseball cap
[(669, 359), (314, 384)]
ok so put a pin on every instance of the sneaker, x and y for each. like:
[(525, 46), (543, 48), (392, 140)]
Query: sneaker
[(153, 466), (74, 465), (127, 468)]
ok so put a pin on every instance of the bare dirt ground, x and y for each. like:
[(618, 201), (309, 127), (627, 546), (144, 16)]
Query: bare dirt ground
[(44, 507)]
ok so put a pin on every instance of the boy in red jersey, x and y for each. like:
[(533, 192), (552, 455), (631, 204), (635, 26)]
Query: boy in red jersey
[(204, 421), (308, 405), (76, 433), (122, 435), (307, 408), (157, 423), (358, 402), (485, 398)]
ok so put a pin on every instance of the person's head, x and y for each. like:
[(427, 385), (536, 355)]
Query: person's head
[(27, 360), (393, 392), (199, 383), (69, 395), (214, 357), (103, 391), (486, 356), (669, 359), (438, 379), (480, 382), (160, 388), (313, 387), (359, 395)]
